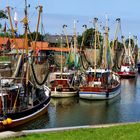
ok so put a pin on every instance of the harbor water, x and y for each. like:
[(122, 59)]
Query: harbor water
[(77, 112)]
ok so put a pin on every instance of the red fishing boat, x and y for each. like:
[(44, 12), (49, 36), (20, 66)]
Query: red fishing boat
[(99, 83), (127, 69)]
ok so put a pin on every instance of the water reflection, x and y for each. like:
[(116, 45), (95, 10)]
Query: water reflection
[(130, 100), (98, 112), (128, 90), (63, 112), (75, 111)]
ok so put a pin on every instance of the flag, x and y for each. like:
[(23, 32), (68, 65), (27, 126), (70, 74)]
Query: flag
[(4, 30), (16, 19)]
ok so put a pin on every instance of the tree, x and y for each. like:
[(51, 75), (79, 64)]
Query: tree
[(79, 39), (89, 37), (3, 15)]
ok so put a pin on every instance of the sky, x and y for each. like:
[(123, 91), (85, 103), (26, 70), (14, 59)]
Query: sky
[(56, 13)]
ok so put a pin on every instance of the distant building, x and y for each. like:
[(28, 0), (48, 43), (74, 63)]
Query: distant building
[(19, 44), (55, 40)]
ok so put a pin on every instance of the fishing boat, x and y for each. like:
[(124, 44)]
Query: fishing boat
[(127, 69), (62, 84), (17, 108), (21, 98), (99, 83)]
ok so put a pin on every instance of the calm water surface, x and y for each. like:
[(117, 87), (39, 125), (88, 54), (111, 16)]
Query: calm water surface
[(75, 111)]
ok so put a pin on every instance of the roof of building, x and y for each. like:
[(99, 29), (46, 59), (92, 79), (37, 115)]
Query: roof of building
[(19, 43), (57, 39)]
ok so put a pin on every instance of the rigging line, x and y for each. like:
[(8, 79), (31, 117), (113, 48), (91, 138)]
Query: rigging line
[(42, 28), (86, 57), (82, 62), (35, 77), (33, 14)]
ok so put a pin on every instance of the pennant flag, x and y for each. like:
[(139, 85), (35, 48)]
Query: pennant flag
[(16, 19)]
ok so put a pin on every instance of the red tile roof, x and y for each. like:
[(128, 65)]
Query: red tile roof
[(39, 45)]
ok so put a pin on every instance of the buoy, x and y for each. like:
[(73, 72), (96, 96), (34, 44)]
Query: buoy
[(9, 120), (4, 122)]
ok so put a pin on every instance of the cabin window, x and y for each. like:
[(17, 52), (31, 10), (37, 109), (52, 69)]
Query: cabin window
[(98, 75), (58, 76), (64, 76)]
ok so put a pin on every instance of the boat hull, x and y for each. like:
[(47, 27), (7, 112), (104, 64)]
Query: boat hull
[(99, 93), (127, 74), (64, 94), (25, 116)]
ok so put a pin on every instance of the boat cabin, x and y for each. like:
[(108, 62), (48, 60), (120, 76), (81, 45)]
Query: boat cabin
[(127, 68), (58, 78), (98, 77)]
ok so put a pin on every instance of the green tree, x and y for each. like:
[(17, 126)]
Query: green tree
[(89, 37), (79, 39), (3, 15)]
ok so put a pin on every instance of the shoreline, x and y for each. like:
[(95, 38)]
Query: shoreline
[(12, 134)]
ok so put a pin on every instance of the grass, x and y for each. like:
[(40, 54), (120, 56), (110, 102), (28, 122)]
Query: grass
[(124, 132)]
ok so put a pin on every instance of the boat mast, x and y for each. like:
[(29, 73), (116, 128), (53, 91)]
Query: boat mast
[(12, 28), (61, 66), (105, 42), (130, 50), (95, 43), (129, 46), (118, 26), (83, 38), (38, 22), (25, 21), (26, 27), (75, 39), (65, 32)]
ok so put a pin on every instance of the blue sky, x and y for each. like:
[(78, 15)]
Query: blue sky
[(56, 13)]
